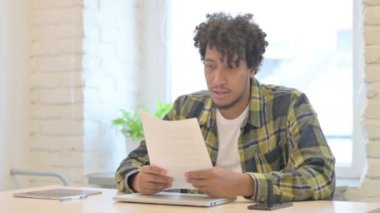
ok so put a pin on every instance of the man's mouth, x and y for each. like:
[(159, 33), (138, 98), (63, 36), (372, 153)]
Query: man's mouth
[(219, 94)]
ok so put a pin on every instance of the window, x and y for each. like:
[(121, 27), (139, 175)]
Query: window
[(310, 48)]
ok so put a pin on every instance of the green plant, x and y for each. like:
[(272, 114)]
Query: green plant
[(130, 123)]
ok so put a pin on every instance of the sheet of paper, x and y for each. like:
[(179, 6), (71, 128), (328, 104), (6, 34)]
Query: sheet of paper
[(177, 146)]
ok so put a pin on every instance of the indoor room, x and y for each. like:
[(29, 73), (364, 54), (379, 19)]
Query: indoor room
[(75, 74)]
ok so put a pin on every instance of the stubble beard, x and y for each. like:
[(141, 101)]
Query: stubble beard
[(229, 105)]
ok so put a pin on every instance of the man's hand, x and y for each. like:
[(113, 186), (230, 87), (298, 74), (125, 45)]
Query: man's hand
[(151, 180), (219, 182)]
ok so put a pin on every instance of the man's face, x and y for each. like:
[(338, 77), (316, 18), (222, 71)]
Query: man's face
[(229, 87)]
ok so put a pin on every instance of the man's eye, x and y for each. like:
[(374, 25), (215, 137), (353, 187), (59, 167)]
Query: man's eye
[(209, 65), (232, 68)]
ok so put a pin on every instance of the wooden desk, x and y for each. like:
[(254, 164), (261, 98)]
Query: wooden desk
[(104, 203)]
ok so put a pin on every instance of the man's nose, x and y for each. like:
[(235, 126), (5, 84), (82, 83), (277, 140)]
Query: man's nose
[(220, 77)]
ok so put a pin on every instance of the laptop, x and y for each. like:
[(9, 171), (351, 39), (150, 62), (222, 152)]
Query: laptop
[(58, 194), (173, 198)]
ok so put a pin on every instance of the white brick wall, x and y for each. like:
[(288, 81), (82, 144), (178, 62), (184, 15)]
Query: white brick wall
[(56, 88), (57, 47), (54, 143), (372, 127), (81, 54), (371, 74), (44, 15), (109, 60), (369, 189), (49, 4), (55, 80), (57, 63)]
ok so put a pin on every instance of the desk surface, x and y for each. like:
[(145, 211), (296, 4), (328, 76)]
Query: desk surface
[(105, 203)]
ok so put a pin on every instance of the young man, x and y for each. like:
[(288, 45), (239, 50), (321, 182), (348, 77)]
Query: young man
[(265, 141)]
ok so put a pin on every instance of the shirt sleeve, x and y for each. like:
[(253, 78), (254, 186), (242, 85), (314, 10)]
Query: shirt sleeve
[(130, 166), (309, 172)]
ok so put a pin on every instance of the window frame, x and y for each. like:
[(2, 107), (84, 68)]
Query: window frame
[(356, 169)]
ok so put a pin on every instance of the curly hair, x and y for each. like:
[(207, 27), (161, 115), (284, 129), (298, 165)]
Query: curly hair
[(238, 38)]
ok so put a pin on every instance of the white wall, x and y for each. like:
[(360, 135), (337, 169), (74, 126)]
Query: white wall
[(110, 63), (80, 53), (153, 52), (14, 83), (369, 189), (14, 88), (56, 88)]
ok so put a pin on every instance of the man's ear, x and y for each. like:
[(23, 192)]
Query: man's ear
[(252, 72)]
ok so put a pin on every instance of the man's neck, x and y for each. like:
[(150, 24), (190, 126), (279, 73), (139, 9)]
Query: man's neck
[(233, 112)]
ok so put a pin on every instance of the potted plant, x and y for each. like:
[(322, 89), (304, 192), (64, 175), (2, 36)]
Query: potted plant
[(130, 124)]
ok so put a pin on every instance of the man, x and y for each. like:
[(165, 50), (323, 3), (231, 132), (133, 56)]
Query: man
[(265, 141)]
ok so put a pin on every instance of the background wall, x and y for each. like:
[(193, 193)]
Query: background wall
[(88, 60), (82, 57), (67, 67), (370, 185), (59, 67), (14, 86)]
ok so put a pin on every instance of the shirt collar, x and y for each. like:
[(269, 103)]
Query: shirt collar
[(254, 118)]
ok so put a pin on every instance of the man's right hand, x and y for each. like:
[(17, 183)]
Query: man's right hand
[(151, 180)]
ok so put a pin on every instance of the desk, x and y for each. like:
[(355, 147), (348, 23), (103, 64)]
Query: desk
[(104, 203)]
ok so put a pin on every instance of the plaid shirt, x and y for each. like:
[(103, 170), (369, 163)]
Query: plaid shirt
[(281, 144)]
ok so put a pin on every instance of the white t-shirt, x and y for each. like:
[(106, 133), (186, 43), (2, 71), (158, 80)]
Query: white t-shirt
[(228, 135)]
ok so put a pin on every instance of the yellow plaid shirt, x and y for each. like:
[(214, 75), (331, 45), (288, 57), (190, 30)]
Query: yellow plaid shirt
[(281, 144)]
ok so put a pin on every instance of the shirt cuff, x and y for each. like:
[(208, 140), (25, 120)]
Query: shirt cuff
[(129, 188), (260, 184)]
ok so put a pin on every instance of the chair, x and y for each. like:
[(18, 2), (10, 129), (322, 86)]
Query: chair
[(22, 172)]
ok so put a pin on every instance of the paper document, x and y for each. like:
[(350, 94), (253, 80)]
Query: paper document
[(176, 146)]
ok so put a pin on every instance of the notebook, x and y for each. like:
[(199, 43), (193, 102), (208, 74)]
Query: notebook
[(173, 198), (58, 194)]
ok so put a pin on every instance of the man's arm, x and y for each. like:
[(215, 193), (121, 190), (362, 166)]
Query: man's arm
[(130, 166), (309, 171)]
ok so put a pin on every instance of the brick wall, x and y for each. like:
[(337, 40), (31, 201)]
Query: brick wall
[(56, 91), (110, 60), (81, 50), (80, 55), (370, 185)]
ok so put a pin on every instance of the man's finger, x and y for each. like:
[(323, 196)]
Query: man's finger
[(157, 179), (152, 187), (153, 170), (197, 175)]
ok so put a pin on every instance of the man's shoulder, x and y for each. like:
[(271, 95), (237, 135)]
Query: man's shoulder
[(277, 91), (193, 104), (196, 97), (281, 100)]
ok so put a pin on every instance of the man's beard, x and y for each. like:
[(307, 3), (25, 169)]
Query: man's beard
[(229, 105)]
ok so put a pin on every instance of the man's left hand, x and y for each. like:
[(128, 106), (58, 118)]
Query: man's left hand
[(219, 182)]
